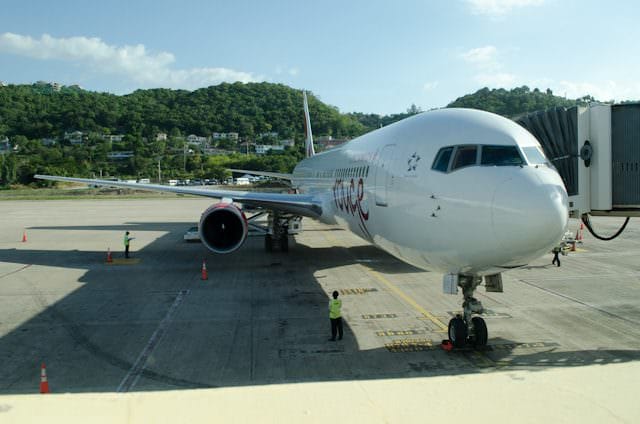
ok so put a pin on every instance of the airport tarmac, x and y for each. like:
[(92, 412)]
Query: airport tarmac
[(151, 325)]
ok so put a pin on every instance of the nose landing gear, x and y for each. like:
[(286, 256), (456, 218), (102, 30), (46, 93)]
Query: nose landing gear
[(467, 329)]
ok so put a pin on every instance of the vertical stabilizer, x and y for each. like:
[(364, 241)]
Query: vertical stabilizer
[(308, 143)]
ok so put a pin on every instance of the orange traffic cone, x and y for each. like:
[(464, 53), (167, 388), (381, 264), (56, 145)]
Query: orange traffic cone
[(109, 258), (205, 276), (44, 384), (24, 236)]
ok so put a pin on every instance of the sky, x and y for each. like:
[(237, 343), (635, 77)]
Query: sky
[(370, 56)]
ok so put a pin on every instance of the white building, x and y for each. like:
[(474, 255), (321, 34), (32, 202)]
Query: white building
[(112, 137), (225, 136), (195, 139), (75, 137), (161, 137), (5, 146), (271, 134), (261, 149), (120, 155)]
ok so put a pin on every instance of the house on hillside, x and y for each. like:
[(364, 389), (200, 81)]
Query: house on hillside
[(197, 140), (328, 142), (75, 137), (120, 155), (5, 146), (262, 149), (225, 136), (112, 137)]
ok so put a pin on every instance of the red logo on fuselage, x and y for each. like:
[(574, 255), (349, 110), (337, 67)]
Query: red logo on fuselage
[(349, 197)]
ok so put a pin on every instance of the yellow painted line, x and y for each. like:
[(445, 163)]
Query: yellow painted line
[(407, 299)]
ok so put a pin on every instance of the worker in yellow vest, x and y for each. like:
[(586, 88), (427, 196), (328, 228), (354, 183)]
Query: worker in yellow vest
[(127, 239), (335, 316)]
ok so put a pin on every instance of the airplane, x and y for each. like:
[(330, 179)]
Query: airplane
[(464, 192)]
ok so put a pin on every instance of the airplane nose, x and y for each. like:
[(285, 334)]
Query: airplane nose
[(530, 214)]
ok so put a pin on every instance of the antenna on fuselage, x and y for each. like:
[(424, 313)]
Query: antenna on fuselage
[(308, 142)]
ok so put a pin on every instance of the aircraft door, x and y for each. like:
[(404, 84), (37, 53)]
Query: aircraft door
[(384, 177)]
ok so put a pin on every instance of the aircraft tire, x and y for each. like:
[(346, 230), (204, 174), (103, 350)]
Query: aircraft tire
[(268, 243), (458, 332), (480, 333)]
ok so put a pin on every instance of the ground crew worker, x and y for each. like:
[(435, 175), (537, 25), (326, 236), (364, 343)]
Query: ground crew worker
[(127, 239), (556, 259), (335, 316)]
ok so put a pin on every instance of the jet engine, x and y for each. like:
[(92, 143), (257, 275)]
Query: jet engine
[(223, 227)]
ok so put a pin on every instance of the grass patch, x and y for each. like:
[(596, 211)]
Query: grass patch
[(78, 193)]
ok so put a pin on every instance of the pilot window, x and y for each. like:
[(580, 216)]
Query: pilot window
[(442, 160), (464, 156), (501, 156), (535, 156)]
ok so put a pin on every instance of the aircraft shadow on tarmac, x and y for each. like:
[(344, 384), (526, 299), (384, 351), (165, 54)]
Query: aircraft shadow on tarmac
[(260, 318)]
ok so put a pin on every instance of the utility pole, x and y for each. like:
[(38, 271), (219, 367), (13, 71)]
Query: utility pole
[(159, 172), (184, 164)]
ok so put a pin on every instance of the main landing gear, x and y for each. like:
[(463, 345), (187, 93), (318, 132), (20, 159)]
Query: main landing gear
[(277, 229), (467, 329)]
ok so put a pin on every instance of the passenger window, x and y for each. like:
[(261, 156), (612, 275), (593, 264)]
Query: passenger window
[(464, 156), (501, 156), (442, 160)]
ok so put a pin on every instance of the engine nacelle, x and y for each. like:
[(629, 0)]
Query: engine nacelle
[(223, 227)]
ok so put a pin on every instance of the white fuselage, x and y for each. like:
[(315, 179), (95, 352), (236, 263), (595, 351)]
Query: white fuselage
[(475, 220)]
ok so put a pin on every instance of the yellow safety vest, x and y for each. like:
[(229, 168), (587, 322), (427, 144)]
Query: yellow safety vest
[(126, 240), (334, 308)]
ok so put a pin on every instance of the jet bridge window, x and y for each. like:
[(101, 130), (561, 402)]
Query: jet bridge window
[(501, 156), (464, 156)]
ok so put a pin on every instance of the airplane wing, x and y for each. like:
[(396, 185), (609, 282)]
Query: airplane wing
[(282, 176), (299, 204)]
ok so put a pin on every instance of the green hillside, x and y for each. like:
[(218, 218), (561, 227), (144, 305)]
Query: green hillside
[(36, 111), (31, 113), (511, 103)]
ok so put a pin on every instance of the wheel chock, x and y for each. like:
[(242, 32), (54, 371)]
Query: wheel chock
[(447, 345)]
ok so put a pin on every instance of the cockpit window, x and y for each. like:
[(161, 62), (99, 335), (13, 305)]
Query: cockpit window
[(501, 156), (464, 156), (442, 160), (535, 156)]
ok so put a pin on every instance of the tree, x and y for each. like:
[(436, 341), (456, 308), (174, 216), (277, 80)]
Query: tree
[(413, 109)]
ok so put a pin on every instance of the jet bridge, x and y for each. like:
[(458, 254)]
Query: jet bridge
[(596, 150)]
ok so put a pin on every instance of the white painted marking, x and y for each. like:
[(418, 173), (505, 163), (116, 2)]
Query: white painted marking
[(131, 379)]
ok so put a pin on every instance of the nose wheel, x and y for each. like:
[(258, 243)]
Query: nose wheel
[(467, 329), (462, 334)]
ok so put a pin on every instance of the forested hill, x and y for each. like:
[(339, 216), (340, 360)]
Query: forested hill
[(511, 103), (34, 120), (508, 103), (36, 111)]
